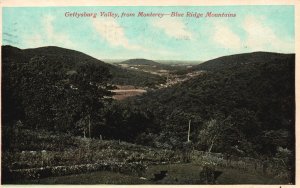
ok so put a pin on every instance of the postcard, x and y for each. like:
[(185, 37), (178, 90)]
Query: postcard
[(149, 93)]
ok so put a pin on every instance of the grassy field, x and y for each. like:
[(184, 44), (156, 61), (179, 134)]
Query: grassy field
[(177, 174)]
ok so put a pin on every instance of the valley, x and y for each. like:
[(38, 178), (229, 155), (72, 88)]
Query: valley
[(170, 73), (145, 121)]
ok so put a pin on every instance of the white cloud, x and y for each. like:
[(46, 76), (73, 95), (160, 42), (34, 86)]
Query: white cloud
[(224, 36), (113, 33), (262, 37), (173, 27), (258, 36), (48, 36), (53, 37), (48, 23)]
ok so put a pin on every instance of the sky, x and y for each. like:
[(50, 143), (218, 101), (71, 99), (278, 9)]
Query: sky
[(254, 28)]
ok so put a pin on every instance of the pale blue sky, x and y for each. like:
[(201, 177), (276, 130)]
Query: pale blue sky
[(255, 28)]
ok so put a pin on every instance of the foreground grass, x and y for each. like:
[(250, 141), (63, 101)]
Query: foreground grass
[(37, 150), (236, 176), (101, 177), (177, 174)]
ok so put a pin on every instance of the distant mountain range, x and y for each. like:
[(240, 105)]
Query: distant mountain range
[(140, 62), (153, 66), (167, 62)]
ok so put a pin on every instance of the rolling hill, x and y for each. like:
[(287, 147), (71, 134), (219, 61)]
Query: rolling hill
[(69, 60), (251, 96), (155, 66), (140, 62), (232, 61)]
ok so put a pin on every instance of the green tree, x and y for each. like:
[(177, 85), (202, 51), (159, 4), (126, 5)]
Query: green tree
[(51, 98), (91, 87)]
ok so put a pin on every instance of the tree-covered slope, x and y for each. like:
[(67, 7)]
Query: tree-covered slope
[(232, 61), (244, 103), (69, 60)]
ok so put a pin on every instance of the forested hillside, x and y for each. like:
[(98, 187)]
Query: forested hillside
[(69, 60), (55, 92), (246, 107), (232, 61)]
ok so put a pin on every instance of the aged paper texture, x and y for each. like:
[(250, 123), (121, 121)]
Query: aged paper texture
[(146, 93)]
